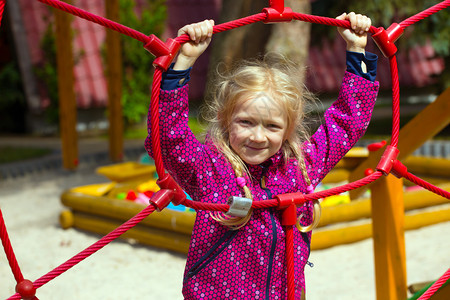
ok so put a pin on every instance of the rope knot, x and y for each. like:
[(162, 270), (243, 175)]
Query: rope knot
[(26, 289)]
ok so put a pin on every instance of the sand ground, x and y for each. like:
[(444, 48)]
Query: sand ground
[(122, 270)]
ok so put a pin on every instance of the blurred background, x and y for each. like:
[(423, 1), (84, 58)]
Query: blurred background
[(75, 96), (29, 97)]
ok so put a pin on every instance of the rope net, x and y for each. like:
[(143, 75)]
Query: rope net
[(171, 192)]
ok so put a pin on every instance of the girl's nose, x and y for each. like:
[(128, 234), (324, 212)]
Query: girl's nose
[(257, 134)]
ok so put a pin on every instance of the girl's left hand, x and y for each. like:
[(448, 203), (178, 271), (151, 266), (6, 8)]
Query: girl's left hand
[(356, 37)]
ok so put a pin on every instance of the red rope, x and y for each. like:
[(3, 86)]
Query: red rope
[(97, 19), (274, 203), (436, 285), (155, 134), (427, 185), (2, 9), (344, 188), (424, 14), (92, 249), (156, 137), (395, 101), (229, 25), (9, 250), (326, 21), (290, 261)]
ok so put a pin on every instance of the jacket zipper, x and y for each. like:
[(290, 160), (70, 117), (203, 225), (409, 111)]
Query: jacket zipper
[(204, 261), (274, 233)]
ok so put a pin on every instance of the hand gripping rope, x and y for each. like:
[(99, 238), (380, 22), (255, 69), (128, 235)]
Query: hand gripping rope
[(170, 190)]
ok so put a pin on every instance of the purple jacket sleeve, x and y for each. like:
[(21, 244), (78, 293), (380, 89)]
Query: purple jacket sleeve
[(345, 122), (184, 157)]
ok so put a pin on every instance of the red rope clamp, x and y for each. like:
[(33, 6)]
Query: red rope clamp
[(399, 170), (277, 12), (164, 52), (385, 39), (288, 203), (156, 47), (168, 183), (388, 159), (161, 199)]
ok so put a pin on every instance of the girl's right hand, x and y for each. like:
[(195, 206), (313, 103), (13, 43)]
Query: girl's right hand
[(356, 37), (200, 35)]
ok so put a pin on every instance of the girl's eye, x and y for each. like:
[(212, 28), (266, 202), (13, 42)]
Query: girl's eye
[(245, 122), (273, 126)]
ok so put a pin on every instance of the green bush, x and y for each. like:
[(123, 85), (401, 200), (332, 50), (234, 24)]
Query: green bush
[(47, 74), (137, 62)]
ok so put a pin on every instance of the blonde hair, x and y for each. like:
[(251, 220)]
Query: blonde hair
[(283, 81)]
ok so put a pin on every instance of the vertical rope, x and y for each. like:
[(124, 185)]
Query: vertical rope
[(395, 101), (9, 250), (290, 262), (154, 123)]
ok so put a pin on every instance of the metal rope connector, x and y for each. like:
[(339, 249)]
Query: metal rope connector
[(239, 206)]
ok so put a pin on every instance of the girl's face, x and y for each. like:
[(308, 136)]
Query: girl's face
[(258, 128)]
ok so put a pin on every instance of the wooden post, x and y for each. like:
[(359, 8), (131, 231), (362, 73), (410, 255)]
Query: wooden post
[(114, 73), (67, 101), (388, 238)]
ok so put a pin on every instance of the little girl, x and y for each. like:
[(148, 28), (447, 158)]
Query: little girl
[(256, 147)]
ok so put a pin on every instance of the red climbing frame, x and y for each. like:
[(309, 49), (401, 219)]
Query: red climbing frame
[(171, 192)]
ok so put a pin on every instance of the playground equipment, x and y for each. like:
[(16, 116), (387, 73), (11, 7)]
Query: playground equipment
[(390, 276), (102, 207)]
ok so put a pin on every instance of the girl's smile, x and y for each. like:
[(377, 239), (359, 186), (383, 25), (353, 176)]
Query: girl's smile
[(258, 128)]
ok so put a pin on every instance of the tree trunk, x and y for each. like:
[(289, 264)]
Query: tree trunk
[(241, 43), (253, 40), (292, 39)]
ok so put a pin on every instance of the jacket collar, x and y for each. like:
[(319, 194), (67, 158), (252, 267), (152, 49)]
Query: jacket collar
[(275, 160)]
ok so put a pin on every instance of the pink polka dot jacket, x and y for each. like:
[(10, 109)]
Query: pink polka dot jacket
[(249, 263)]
